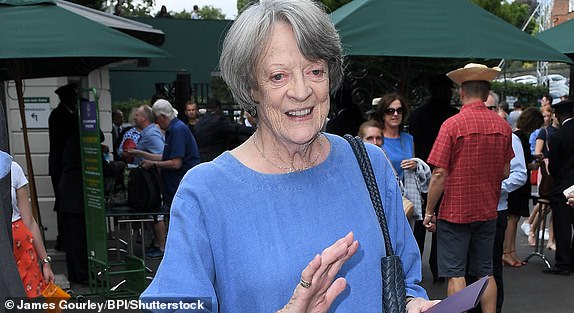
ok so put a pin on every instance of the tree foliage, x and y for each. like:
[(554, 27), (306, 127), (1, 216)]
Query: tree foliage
[(183, 14), (526, 94), (137, 8), (515, 13), (209, 12), (241, 4)]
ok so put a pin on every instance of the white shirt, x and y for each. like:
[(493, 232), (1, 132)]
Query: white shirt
[(18, 181), (517, 176)]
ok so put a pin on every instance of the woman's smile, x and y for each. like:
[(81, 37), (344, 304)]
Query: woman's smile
[(299, 113)]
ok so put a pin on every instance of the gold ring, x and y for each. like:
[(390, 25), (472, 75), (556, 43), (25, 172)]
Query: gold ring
[(304, 283)]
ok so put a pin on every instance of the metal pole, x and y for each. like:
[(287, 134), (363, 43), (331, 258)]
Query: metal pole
[(32, 182), (523, 28)]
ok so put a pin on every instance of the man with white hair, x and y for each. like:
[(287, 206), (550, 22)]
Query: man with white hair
[(180, 154)]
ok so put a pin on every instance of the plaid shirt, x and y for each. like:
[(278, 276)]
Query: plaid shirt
[(473, 146)]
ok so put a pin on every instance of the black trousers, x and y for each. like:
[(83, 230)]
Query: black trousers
[(76, 247), (59, 218), (563, 220)]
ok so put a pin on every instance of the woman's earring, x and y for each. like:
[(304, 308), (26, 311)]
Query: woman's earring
[(252, 110)]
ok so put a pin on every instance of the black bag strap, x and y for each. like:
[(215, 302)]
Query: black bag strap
[(547, 139), (369, 176)]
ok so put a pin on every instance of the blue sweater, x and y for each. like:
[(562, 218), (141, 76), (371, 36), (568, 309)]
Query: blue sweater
[(399, 149), (242, 238)]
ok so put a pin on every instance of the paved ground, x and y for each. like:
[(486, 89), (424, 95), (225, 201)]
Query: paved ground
[(527, 289)]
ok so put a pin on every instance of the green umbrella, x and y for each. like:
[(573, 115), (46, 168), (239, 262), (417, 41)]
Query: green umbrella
[(45, 40), (40, 39), (559, 37), (434, 28)]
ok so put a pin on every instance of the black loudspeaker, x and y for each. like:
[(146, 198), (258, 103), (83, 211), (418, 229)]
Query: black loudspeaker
[(182, 93)]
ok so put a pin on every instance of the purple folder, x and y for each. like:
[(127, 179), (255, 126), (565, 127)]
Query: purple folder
[(463, 300)]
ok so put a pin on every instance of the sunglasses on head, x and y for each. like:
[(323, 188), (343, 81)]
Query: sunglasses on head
[(391, 111)]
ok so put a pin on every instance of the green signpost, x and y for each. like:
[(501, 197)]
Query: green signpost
[(93, 187), (130, 272)]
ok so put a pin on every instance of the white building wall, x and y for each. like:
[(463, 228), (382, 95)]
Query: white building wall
[(38, 132)]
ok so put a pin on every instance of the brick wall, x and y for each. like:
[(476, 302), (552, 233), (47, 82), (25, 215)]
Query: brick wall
[(560, 12)]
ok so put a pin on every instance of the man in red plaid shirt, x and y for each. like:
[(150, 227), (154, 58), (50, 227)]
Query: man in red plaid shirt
[(471, 156)]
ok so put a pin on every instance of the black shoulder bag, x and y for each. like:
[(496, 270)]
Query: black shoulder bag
[(394, 292), (546, 182)]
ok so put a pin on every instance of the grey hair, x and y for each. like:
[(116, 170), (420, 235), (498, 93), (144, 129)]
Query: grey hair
[(495, 97), (163, 107), (147, 112), (247, 38)]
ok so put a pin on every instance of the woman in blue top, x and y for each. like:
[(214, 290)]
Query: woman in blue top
[(262, 228), (392, 111)]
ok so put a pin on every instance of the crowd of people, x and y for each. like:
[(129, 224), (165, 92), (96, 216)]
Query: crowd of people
[(299, 227), (513, 196)]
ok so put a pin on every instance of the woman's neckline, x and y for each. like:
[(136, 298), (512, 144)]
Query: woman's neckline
[(391, 132)]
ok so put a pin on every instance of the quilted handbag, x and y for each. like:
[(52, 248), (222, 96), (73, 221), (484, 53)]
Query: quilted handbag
[(394, 292)]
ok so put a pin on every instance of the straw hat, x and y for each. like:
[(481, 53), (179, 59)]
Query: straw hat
[(473, 71), (374, 104)]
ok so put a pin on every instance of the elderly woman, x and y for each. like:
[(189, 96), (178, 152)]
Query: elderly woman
[(257, 229)]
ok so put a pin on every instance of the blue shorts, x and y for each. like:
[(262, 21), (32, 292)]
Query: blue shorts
[(459, 243)]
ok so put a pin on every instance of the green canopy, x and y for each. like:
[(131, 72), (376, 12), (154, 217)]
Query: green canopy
[(40, 39), (434, 28), (45, 40), (560, 37)]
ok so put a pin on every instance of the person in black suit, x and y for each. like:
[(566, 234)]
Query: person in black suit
[(213, 131), (118, 132), (348, 118), (72, 209), (62, 122), (561, 168)]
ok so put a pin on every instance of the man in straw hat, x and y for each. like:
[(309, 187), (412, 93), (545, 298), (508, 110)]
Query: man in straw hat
[(471, 156)]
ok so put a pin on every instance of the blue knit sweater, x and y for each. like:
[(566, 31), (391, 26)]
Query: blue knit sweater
[(242, 238)]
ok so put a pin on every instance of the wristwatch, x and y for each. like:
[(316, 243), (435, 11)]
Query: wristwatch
[(47, 259)]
